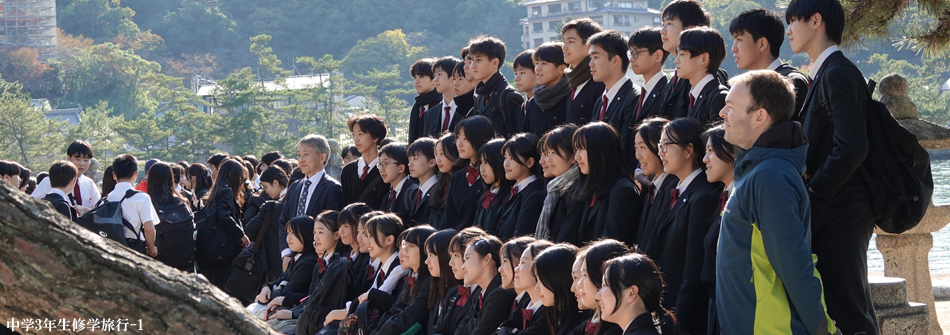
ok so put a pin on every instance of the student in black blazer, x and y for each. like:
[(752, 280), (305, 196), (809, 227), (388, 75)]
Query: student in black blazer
[(296, 280), (679, 236), (409, 307), (656, 202), (522, 169), (443, 281), (360, 179), (584, 91), (699, 54), (525, 81), (720, 159), (273, 181), (323, 192), (466, 188), (834, 121), (553, 268), (497, 188), (393, 164), (328, 293), (464, 92), (493, 302), (225, 200), (552, 92), (646, 59), (422, 167), (677, 17), (613, 200), (636, 317), (62, 180), (447, 161), (443, 115), (496, 99), (461, 299), (422, 72), (588, 274), (618, 104), (560, 216)]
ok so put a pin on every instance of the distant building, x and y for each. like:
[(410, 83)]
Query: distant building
[(206, 90), (945, 87), (28, 23), (546, 17)]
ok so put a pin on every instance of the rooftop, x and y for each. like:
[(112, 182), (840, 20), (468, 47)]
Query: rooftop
[(291, 83)]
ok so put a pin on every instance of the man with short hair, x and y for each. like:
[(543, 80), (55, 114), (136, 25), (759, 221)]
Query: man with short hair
[(766, 282), (617, 105), (496, 99), (62, 176), (137, 209), (698, 56), (315, 193), (442, 116), (584, 91), (423, 76), (678, 16), (85, 193)]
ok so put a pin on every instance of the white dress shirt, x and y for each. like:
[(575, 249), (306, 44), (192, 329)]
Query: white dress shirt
[(816, 65), (88, 188), (137, 210)]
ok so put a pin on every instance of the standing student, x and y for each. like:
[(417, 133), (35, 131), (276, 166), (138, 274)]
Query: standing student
[(62, 179), (758, 35), (525, 81), (448, 163), (618, 103), (175, 234), (552, 91), (496, 100), (492, 302), (274, 182), (497, 188), (678, 16), (199, 182), (698, 56), (679, 236), (588, 275), (464, 90), (225, 199), (361, 181), (656, 200), (350, 154), (466, 188), (422, 167), (411, 305), (214, 163), (443, 283), (612, 199), (523, 170), (834, 119), (560, 216), (631, 294), (85, 193), (422, 72), (719, 159), (584, 91), (554, 286), (136, 207), (393, 168), (647, 55), (442, 117)]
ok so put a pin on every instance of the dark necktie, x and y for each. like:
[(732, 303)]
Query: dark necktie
[(675, 194), (392, 196), (526, 317), (418, 199), (369, 272), (365, 171), (422, 111), (464, 293), (643, 94), (302, 202), (593, 199), (651, 189), (411, 281), (603, 110), (322, 263), (722, 200), (514, 191), (489, 197), (809, 83), (445, 120), (471, 175), (481, 299), (675, 79), (380, 278), (573, 91), (77, 193), (692, 101)]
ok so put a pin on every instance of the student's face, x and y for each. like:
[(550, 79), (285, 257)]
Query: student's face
[(601, 64), (420, 165), (13, 180), (576, 270), (324, 240), (346, 234), (349, 158), (649, 163), (389, 170), (524, 79), (483, 67), (801, 33), (81, 163), (574, 48), (641, 61), (558, 164), (691, 67), (443, 83), (466, 151), (455, 261), (580, 156), (514, 170), (186, 183), (272, 188), (605, 298), (293, 242), (361, 239), (409, 256), (737, 119), (468, 69), (507, 274), (747, 51), (588, 291), (717, 170), (441, 160), (488, 174), (309, 160), (463, 84), (547, 297), (473, 266), (548, 73), (423, 84), (376, 250), (524, 277), (432, 263), (670, 33), (675, 157), (362, 140), (545, 165)]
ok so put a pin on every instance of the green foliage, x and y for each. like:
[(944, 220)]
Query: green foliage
[(28, 136), (381, 52), (97, 128), (924, 81)]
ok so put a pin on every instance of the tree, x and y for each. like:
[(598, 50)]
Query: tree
[(389, 93), (197, 28), (28, 136), (23, 65), (96, 127), (331, 111), (874, 19), (924, 81), (381, 52)]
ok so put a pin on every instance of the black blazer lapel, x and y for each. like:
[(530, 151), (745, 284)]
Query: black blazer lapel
[(653, 97), (319, 193), (812, 98), (615, 108)]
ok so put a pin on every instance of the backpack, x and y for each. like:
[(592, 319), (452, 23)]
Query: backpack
[(175, 236), (213, 247), (106, 220)]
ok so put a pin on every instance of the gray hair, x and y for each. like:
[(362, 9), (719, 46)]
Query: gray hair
[(317, 142)]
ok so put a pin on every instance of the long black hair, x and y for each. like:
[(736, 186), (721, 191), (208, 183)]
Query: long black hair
[(650, 130), (447, 141), (522, 147), (383, 225), (202, 176), (686, 133), (478, 130), (605, 167), (331, 220), (637, 269), (555, 274), (417, 235), (490, 154), (438, 244), (302, 228), (231, 174), (161, 185), (597, 253)]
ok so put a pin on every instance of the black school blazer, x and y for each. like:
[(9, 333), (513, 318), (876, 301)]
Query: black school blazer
[(403, 204), (415, 311), (298, 277), (419, 212), (653, 102), (642, 325), (604, 328), (710, 101), (539, 121), (455, 319), (487, 219), (292, 299), (579, 108), (433, 118), (519, 215), (677, 98), (419, 112), (462, 201), (566, 217), (329, 293), (361, 277), (494, 310), (613, 215), (621, 114), (651, 215), (353, 187), (326, 196)]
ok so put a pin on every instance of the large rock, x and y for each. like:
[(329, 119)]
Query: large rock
[(895, 315)]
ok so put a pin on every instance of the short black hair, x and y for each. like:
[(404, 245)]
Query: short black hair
[(524, 60), (350, 149), (80, 148), (650, 38), (125, 166), (423, 68), (550, 52), (760, 23), (423, 146), (489, 46), (585, 28), (217, 158), (459, 70), (704, 39), (520, 148), (251, 159), (61, 173), (446, 64), (463, 54), (832, 14), (559, 140), (369, 123), (270, 157), (397, 152), (614, 43), (689, 12), (9, 168)]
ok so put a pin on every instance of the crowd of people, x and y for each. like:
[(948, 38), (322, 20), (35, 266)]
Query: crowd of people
[(575, 202)]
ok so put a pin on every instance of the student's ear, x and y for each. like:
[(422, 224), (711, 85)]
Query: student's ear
[(432, 163), (632, 294), (616, 61), (529, 163), (657, 55), (495, 62), (390, 240), (762, 44), (561, 68)]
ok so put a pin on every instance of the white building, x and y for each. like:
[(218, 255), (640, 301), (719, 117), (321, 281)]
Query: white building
[(546, 17)]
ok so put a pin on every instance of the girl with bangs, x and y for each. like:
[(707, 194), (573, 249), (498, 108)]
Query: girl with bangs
[(560, 215), (443, 283), (588, 275), (466, 189), (522, 168), (554, 289), (497, 188)]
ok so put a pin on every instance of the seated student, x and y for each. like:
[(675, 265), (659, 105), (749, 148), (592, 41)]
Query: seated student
[(496, 100), (297, 278), (560, 216), (62, 180), (464, 90), (584, 91), (422, 168), (460, 299), (136, 207), (646, 59), (588, 275), (330, 290), (361, 181), (552, 92), (612, 198), (350, 154), (361, 267), (525, 80), (497, 188), (510, 261), (492, 302), (411, 305), (679, 249), (630, 296), (465, 189), (533, 318), (85, 193), (522, 169), (443, 282), (442, 117), (618, 104), (554, 286), (656, 202), (393, 162), (720, 159), (698, 57), (426, 96), (448, 163), (274, 182), (758, 35), (679, 15)]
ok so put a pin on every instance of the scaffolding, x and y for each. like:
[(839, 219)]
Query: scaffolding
[(28, 23)]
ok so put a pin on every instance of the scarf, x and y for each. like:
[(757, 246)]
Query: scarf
[(580, 74), (548, 97), (556, 188)]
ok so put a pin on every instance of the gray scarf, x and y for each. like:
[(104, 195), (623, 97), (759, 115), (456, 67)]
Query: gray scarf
[(556, 188), (580, 74), (548, 97)]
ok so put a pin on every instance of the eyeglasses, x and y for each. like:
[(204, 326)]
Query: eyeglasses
[(662, 146), (406, 245), (385, 164), (634, 54)]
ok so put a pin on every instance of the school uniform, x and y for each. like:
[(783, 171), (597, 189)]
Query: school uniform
[(465, 191), (489, 209), (519, 215), (438, 212), (620, 112), (328, 293), (592, 326), (138, 209), (652, 94), (834, 121), (532, 319), (676, 104), (85, 193), (679, 250), (417, 113), (582, 101), (361, 269), (399, 199), (642, 325), (294, 282), (708, 274), (707, 98), (441, 118), (465, 102), (57, 198), (419, 207), (498, 102), (566, 217), (361, 183), (310, 197), (516, 316), (799, 80), (491, 308), (268, 255), (613, 214), (457, 310), (411, 306), (540, 121), (656, 204)]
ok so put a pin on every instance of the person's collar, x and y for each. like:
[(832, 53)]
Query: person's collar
[(775, 64), (495, 190), (520, 295), (816, 65), (534, 305), (451, 104), (428, 184), (375, 263), (282, 193), (698, 88), (398, 187), (60, 192), (524, 183), (327, 256), (316, 177), (362, 163), (577, 90), (649, 85), (658, 181), (729, 187), (122, 187), (612, 92), (297, 257), (389, 261), (685, 182)]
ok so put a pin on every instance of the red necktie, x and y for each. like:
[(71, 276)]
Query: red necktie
[(591, 328), (809, 83), (422, 111), (292, 261), (380, 278), (651, 190), (471, 175), (514, 191), (675, 79), (676, 194), (464, 294), (369, 272), (392, 195), (489, 197), (365, 171), (411, 281), (323, 265), (723, 199), (418, 198), (592, 200), (526, 317), (445, 120), (603, 109), (573, 90), (692, 101), (77, 193), (643, 94), (481, 299)]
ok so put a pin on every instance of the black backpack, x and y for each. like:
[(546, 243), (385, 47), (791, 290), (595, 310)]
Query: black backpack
[(106, 220), (175, 236)]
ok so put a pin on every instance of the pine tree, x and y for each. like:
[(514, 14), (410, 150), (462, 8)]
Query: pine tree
[(29, 137)]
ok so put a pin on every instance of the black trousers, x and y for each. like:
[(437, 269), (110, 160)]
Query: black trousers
[(841, 231)]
